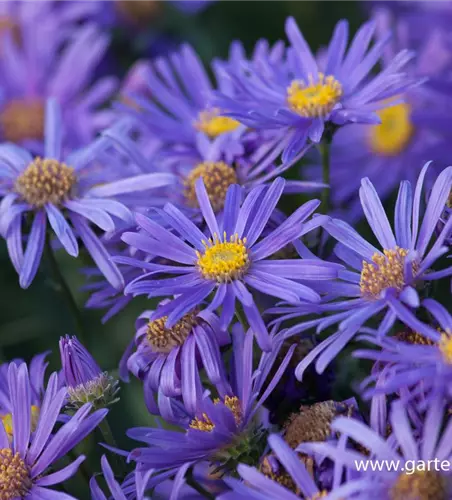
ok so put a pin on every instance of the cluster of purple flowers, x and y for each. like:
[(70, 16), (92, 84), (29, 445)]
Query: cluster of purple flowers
[(180, 184)]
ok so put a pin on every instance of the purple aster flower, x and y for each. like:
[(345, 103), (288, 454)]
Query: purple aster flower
[(224, 431), (28, 462), (405, 137), (85, 381), (248, 161), (413, 359), (299, 99), (65, 192), (176, 106), (181, 106), (286, 469), (409, 476), (40, 64), (228, 261), (166, 359), (37, 370), (390, 281)]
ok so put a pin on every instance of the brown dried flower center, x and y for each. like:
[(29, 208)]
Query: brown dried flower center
[(311, 424), (271, 468), (163, 339), (420, 485)]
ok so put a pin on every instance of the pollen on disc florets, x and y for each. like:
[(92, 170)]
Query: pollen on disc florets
[(213, 124), (225, 260), (411, 337), (46, 181), (393, 134), (445, 346), (271, 468), (163, 339), (315, 98), (15, 479), (217, 177), (22, 119), (205, 424), (385, 271), (420, 485)]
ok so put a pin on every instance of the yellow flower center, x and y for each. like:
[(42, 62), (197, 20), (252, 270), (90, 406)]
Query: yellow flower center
[(163, 339), (45, 181), (385, 271), (206, 425), (22, 119), (315, 99), (420, 485), (449, 200), (14, 476), (139, 12), (213, 124), (445, 346), (217, 177), (224, 261), (7, 421), (395, 131)]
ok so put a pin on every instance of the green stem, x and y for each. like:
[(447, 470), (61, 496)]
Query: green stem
[(64, 289), (109, 439), (241, 320), (191, 481)]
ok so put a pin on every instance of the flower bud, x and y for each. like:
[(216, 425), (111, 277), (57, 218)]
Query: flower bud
[(85, 381)]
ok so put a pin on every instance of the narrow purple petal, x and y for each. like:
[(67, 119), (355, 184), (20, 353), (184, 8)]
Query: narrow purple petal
[(266, 209), (133, 185), (376, 215), (20, 390), (403, 212), (98, 252), (95, 215), (62, 230), (62, 474), (206, 208), (33, 252)]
